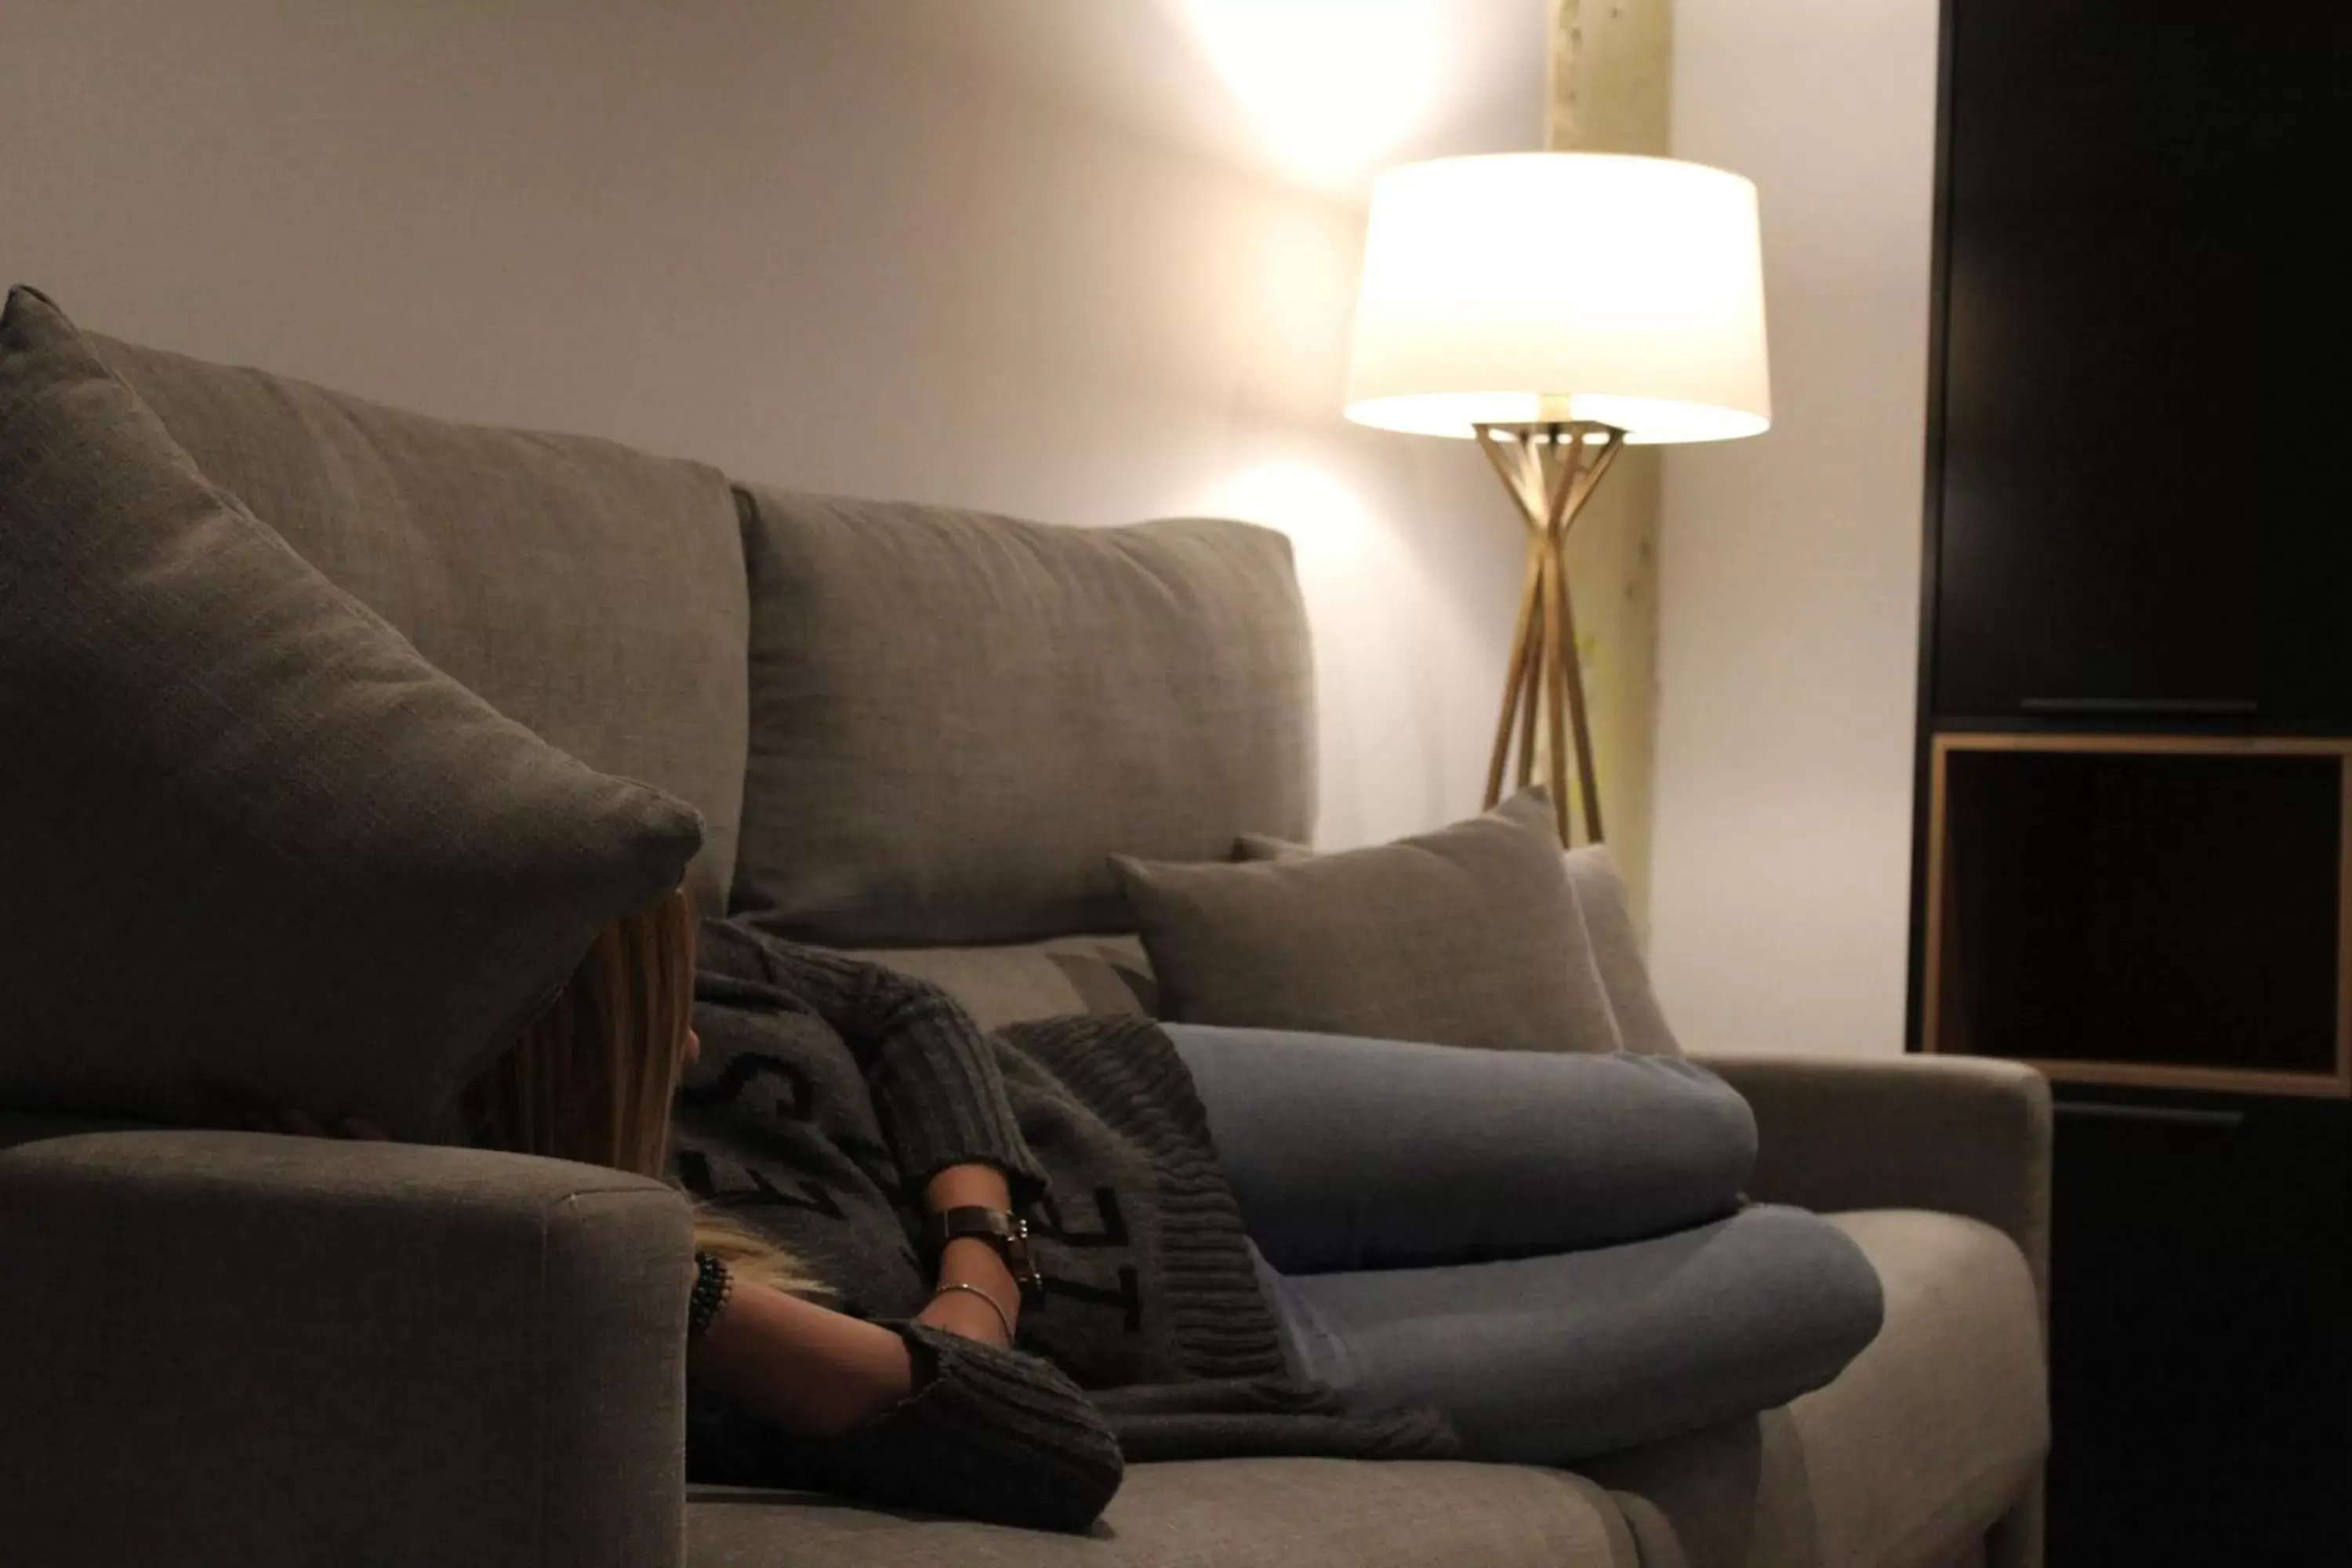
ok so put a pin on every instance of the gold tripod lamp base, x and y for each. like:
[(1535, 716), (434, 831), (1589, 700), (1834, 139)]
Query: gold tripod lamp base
[(1550, 470)]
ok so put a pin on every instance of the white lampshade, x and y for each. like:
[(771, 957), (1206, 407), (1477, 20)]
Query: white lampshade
[(1528, 287)]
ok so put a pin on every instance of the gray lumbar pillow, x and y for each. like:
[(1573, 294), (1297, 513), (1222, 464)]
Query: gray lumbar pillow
[(258, 852), (1467, 936)]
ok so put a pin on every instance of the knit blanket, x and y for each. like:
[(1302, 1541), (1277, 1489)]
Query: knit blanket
[(800, 1128)]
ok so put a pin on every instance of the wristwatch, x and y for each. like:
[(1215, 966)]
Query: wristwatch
[(1006, 1234)]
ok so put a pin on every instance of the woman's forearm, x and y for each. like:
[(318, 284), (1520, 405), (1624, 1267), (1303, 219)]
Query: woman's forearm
[(806, 1369), (958, 1186), (968, 1261)]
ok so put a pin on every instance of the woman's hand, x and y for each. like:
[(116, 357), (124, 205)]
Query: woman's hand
[(809, 1369)]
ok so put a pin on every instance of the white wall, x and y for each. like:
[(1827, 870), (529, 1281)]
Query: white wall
[(876, 247), (1790, 564)]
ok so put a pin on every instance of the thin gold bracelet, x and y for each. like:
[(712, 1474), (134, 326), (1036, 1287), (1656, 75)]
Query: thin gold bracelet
[(1001, 1315)]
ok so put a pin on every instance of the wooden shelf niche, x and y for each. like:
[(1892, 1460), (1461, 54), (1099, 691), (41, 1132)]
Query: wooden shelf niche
[(2165, 911)]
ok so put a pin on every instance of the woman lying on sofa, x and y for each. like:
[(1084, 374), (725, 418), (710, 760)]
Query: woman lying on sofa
[(1243, 1242)]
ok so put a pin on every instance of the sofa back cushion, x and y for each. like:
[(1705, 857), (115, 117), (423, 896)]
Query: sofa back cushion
[(589, 592), (955, 718), (258, 853)]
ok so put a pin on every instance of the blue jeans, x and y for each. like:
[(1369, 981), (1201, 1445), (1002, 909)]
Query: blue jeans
[(1549, 1249)]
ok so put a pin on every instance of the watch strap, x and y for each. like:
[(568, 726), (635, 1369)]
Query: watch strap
[(1007, 1234)]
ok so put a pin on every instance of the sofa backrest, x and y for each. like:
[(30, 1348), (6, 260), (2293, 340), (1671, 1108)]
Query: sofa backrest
[(908, 728), (956, 719), (592, 592)]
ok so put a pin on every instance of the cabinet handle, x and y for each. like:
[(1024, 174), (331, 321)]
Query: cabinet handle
[(2163, 1115), (2152, 706)]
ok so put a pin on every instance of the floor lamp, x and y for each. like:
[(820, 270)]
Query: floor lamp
[(1554, 307)]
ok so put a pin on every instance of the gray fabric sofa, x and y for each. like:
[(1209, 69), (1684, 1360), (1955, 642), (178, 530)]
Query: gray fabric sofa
[(232, 1348)]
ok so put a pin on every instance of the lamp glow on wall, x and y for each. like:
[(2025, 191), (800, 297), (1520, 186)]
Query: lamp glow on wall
[(1556, 307), (1331, 85)]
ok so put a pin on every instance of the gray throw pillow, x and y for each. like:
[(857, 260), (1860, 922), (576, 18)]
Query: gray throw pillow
[(593, 594), (258, 852), (1611, 947), (1467, 936)]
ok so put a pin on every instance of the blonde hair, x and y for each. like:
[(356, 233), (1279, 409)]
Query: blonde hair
[(592, 1078)]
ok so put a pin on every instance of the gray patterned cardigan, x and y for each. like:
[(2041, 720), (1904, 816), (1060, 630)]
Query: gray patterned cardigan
[(830, 1090)]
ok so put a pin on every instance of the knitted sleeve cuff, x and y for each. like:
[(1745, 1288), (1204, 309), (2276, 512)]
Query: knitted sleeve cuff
[(988, 1434)]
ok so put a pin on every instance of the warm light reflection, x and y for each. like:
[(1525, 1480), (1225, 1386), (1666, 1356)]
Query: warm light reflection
[(1328, 526), (1334, 84)]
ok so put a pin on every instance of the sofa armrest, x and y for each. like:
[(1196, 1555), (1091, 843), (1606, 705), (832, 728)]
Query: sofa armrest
[(232, 1347), (1964, 1135)]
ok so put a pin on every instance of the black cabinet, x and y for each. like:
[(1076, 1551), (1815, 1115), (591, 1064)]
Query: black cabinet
[(2134, 833), (2132, 907), (2201, 1340), (2140, 402)]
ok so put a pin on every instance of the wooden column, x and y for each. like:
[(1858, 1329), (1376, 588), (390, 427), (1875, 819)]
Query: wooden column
[(1609, 74)]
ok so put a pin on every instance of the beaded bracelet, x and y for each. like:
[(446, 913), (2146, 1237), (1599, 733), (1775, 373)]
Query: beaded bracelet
[(712, 1281)]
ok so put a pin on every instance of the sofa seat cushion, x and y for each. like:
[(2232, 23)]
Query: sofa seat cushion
[(1214, 1513), (589, 592), (1930, 1434)]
